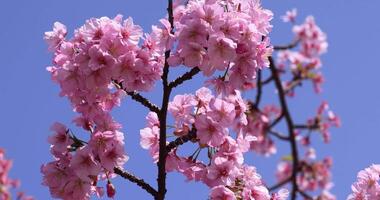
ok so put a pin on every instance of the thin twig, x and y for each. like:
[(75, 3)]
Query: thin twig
[(181, 140), (276, 121), (140, 182), (280, 184), (186, 76), (285, 47), (266, 81), (138, 97), (278, 134)]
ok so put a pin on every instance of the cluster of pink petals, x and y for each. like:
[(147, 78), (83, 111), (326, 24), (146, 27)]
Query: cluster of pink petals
[(224, 36), (312, 175), (305, 62), (290, 16), (214, 117), (77, 167), (102, 56), (103, 50), (258, 124), (367, 186), (6, 183)]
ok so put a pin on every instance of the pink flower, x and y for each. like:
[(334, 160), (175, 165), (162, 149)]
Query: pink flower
[(54, 38), (84, 163), (367, 186), (61, 140), (222, 112), (149, 140), (149, 137), (130, 32), (222, 172), (282, 194), (99, 58), (181, 108), (290, 16), (221, 193), (194, 31), (221, 51), (114, 156), (209, 131), (193, 54)]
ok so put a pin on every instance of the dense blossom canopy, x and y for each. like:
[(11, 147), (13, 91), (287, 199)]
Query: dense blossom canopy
[(228, 42)]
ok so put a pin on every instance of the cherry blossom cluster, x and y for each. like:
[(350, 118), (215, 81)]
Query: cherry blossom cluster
[(225, 36), (7, 183), (304, 62), (78, 166), (94, 68), (213, 117), (228, 42), (313, 175), (367, 186), (103, 50)]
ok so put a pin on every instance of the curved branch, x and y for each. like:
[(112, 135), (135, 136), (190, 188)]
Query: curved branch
[(186, 76), (137, 97), (140, 182)]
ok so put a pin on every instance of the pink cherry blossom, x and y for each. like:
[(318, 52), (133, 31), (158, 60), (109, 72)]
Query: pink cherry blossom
[(209, 131), (222, 193)]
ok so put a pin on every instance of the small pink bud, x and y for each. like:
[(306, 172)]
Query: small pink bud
[(111, 191)]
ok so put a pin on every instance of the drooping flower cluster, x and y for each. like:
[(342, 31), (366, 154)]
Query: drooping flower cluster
[(78, 166), (367, 186), (213, 117), (305, 62), (7, 183), (225, 36)]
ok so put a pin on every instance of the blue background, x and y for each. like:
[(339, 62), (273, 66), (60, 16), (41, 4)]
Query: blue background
[(29, 101)]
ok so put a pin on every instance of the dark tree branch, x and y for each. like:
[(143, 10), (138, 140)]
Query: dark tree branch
[(304, 126), (181, 140), (140, 182), (259, 90), (266, 81), (186, 76), (276, 121), (161, 178), (145, 102), (290, 125), (285, 47), (278, 135), (279, 184), (137, 97), (305, 195)]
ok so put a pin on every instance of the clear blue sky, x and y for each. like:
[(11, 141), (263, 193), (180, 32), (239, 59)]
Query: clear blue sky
[(29, 101)]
